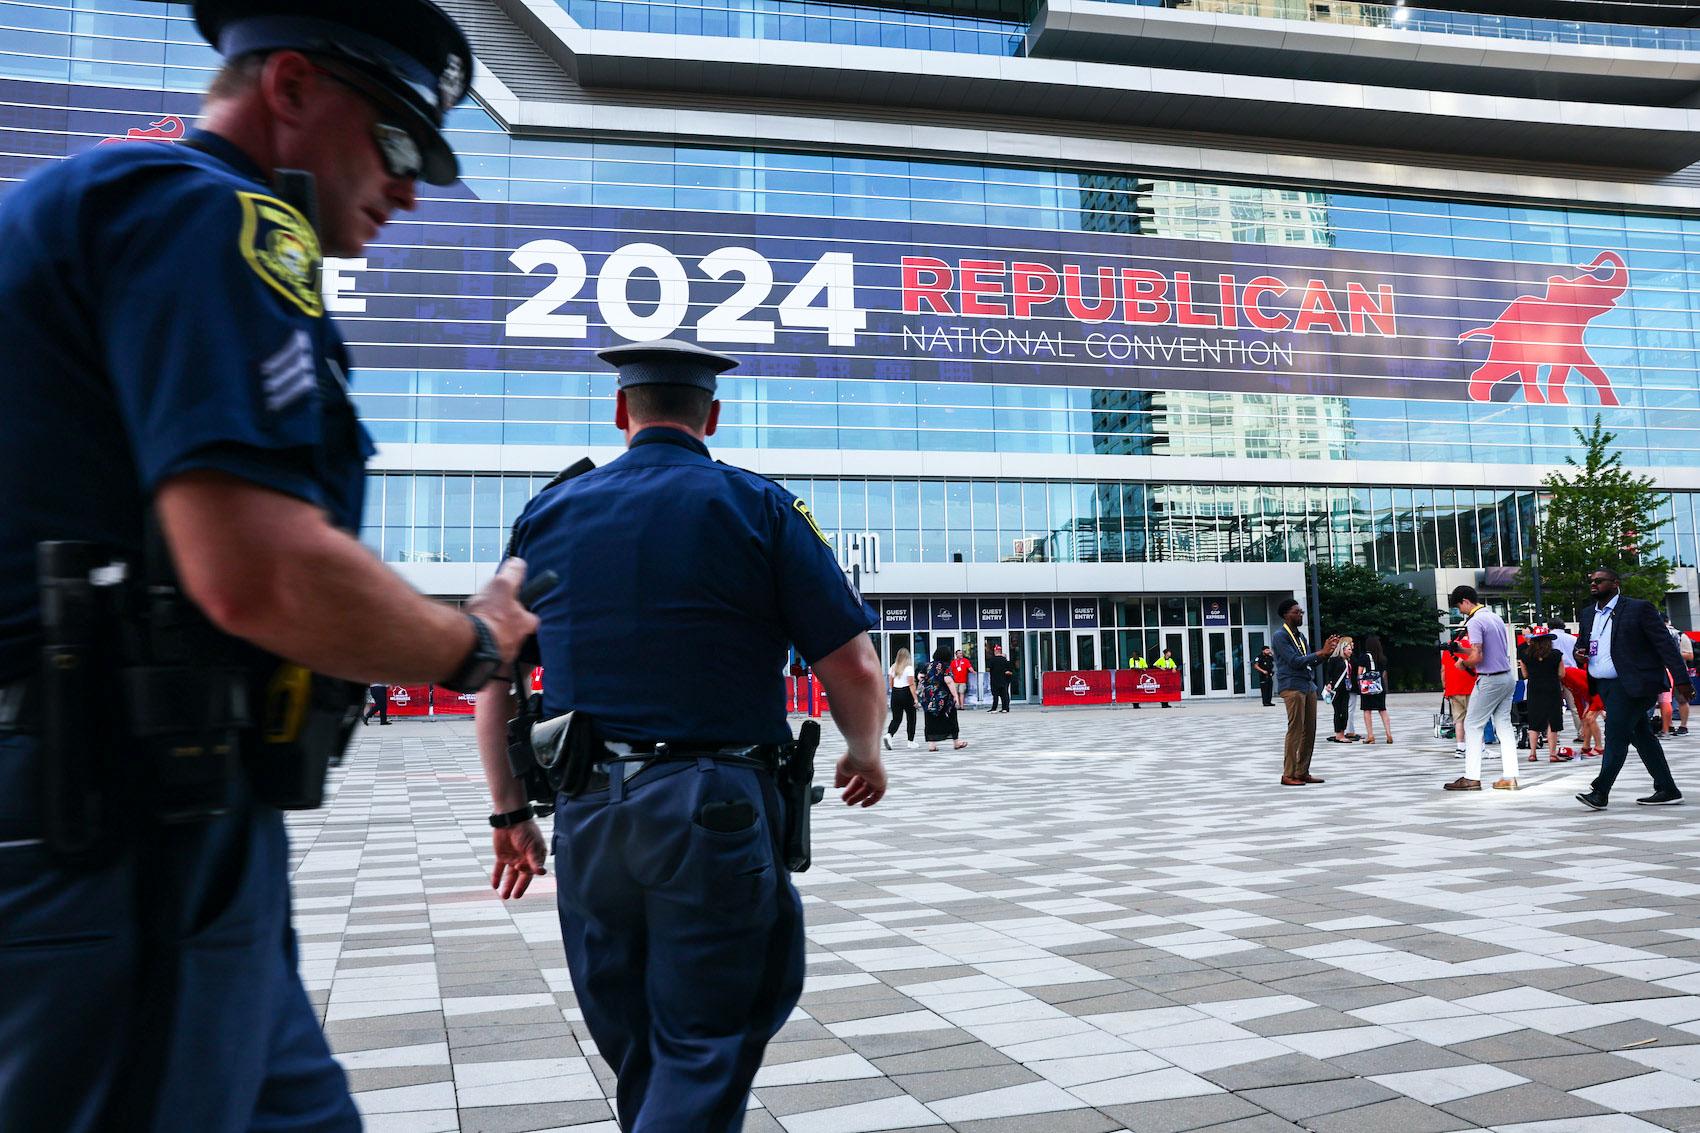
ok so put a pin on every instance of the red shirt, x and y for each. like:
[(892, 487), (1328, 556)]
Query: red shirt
[(1455, 680), (959, 670)]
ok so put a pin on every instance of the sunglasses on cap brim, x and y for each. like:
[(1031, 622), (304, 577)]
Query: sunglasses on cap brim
[(399, 149)]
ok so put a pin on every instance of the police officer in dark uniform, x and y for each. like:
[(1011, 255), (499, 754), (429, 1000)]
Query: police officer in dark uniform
[(683, 932), (176, 398)]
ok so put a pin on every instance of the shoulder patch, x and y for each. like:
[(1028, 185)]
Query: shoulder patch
[(283, 250), (802, 509)]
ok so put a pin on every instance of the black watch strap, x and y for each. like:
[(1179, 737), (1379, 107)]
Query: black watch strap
[(512, 817), (481, 664)]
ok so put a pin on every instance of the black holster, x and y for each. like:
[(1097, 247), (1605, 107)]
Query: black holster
[(795, 777), (305, 723), (552, 756)]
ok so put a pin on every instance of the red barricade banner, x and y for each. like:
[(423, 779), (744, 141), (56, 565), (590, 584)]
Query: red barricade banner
[(1089, 686), (1147, 686), (410, 700), (447, 702)]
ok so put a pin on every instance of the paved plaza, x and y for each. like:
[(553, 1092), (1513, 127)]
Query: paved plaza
[(1091, 920)]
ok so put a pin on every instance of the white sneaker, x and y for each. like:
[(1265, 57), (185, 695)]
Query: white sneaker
[(886, 740), (1458, 753), (911, 745)]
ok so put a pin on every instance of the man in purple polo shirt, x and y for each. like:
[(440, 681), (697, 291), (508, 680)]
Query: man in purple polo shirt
[(1489, 657)]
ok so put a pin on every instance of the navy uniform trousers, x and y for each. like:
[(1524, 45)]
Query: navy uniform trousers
[(685, 944), (244, 1050)]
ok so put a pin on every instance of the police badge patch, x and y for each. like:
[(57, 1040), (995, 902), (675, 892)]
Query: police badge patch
[(803, 510), (283, 250)]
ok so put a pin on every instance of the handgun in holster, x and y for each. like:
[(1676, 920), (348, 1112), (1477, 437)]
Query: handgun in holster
[(795, 778), (553, 756)]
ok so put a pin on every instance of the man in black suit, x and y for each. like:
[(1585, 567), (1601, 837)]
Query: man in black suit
[(1631, 660), (1002, 671)]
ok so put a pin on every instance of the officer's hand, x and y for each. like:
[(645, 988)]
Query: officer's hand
[(498, 604), (520, 853), (863, 781)]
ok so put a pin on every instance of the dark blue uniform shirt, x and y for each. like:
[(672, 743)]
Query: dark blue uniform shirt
[(159, 313), (683, 583)]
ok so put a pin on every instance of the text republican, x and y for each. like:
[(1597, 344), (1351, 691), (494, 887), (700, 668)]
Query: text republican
[(1001, 289)]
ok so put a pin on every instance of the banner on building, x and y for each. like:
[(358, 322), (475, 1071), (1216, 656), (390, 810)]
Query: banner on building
[(485, 285)]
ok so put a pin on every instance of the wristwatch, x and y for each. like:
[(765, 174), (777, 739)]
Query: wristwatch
[(515, 817), (481, 663)]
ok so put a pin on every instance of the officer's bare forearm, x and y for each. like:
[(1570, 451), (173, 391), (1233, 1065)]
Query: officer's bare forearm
[(855, 690), (272, 570), (495, 708)]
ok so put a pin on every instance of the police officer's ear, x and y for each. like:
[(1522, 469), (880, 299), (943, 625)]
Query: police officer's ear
[(287, 82), (622, 416), (713, 418)]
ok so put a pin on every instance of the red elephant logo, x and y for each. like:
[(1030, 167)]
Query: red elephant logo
[(1546, 330), (167, 129)]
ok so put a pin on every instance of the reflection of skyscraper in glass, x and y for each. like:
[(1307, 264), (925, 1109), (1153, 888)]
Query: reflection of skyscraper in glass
[(1203, 423), (1115, 202), (1124, 422), (1246, 214)]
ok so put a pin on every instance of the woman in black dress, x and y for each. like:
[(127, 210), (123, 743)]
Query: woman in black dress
[(1543, 702), (1369, 664), (938, 702)]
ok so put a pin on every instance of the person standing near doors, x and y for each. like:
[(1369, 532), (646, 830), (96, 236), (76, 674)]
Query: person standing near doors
[(1264, 665), (1002, 671), (1631, 660)]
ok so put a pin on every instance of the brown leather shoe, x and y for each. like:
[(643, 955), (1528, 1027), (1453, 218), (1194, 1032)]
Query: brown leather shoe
[(1311, 779), (1505, 785), (1462, 784), (1288, 781)]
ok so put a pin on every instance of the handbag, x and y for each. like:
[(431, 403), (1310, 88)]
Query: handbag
[(1369, 683)]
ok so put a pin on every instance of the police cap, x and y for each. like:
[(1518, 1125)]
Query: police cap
[(666, 362), (408, 56)]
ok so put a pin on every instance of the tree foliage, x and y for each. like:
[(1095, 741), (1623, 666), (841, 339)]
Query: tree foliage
[(1358, 601), (1599, 515)]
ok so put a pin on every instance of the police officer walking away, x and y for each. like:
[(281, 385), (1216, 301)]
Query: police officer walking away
[(183, 461), (683, 932)]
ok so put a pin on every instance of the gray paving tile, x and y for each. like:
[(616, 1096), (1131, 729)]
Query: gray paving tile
[(1297, 1103), (1292, 1069), (1184, 1114), (1576, 1071), (1532, 1102), (1399, 1115)]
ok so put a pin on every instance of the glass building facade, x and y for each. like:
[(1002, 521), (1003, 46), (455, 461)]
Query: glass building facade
[(70, 71)]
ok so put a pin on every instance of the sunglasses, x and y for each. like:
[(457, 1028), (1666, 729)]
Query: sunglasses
[(1598, 581), (399, 151), (397, 147)]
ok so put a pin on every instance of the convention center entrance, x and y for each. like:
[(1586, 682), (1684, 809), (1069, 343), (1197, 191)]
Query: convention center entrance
[(1213, 639)]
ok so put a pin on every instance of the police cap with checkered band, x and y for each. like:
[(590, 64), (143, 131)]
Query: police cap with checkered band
[(408, 56)]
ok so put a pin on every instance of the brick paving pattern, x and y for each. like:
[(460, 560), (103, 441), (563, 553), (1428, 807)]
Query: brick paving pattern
[(1088, 921)]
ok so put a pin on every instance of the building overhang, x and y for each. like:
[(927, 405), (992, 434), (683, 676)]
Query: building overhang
[(1106, 32), (1186, 102)]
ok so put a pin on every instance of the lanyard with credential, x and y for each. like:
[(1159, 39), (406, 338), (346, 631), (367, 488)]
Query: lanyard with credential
[(1295, 638)]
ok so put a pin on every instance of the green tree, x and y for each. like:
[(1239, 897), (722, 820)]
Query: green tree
[(1357, 601), (1599, 515)]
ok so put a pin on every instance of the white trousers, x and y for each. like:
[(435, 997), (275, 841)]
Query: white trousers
[(1490, 700)]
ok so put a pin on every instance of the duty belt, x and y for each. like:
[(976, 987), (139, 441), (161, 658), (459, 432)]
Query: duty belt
[(627, 761)]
